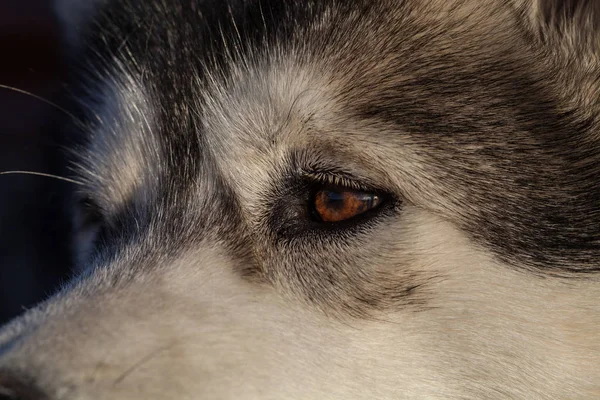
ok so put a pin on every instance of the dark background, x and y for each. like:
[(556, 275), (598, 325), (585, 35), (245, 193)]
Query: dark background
[(34, 250)]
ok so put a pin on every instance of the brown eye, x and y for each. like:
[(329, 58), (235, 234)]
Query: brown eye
[(336, 206)]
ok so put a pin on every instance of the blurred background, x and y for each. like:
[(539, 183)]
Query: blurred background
[(34, 251)]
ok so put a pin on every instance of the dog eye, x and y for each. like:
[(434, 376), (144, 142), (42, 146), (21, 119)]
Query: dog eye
[(341, 205)]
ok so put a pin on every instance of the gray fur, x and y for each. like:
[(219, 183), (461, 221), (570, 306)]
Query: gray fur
[(205, 127)]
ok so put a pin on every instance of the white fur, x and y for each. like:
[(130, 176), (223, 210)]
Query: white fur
[(191, 328)]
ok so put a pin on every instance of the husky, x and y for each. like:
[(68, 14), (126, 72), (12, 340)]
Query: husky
[(325, 199)]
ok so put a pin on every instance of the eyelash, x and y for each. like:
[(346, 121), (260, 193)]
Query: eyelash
[(337, 180)]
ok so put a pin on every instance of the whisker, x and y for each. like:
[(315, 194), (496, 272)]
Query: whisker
[(61, 178), (42, 99), (141, 362)]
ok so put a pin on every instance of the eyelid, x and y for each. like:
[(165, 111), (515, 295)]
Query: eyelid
[(341, 179)]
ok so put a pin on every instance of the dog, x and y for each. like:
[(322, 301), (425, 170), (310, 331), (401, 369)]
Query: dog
[(325, 199)]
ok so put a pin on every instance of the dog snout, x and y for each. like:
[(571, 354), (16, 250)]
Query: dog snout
[(14, 388)]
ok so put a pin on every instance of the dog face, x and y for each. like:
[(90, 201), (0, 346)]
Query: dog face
[(327, 199)]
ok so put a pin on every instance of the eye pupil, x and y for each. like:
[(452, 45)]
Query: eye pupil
[(334, 200), (336, 206)]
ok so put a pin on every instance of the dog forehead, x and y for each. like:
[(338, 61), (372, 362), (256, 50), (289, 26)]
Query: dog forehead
[(252, 107), (450, 86)]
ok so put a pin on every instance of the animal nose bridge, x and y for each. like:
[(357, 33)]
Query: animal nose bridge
[(35, 346), (16, 384)]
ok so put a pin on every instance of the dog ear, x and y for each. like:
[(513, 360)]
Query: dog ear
[(571, 26), (74, 16)]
